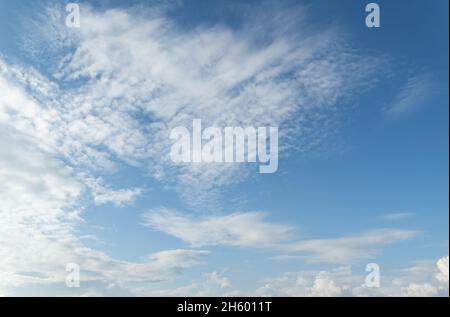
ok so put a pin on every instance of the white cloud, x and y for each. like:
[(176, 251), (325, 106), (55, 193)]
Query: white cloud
[(161, 266), (216, 278), (442, 265), (303, 284), (342, 281), (419, 290), (211, 284), (40, 210), (397, 216), (325, 287), (103, 276), (237, 229), (250, 230), (415, 93), (97, 112), (37, 212), (102, 194), (341, 250), (260, 74)]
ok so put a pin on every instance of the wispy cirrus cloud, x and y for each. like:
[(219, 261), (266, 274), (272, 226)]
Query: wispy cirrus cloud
[(237, 229), (257, 75), (350, 248), (415, 93), (249, 229), (397, 216)]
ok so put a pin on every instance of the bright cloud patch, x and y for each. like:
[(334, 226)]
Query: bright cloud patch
[(250, 230), (269, 75), (238, 229), (342, 281), (105, 99), (352, 247)]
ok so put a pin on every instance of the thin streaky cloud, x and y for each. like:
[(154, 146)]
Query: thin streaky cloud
[(397, 216), (416, 92), (249, 229)]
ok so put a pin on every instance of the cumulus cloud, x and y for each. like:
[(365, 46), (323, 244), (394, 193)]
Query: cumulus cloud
[(216, 278), (442, 265), (325, 287), (301, 284), (210, 284), (419, 290), (418, 280)]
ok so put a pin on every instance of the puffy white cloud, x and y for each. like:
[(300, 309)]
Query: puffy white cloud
[(418, 280), (216, 278), (442, 265), (211, 284), (419, 290), (325, 287), (302, 284)]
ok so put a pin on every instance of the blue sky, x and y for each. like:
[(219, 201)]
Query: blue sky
[(85, 115)]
